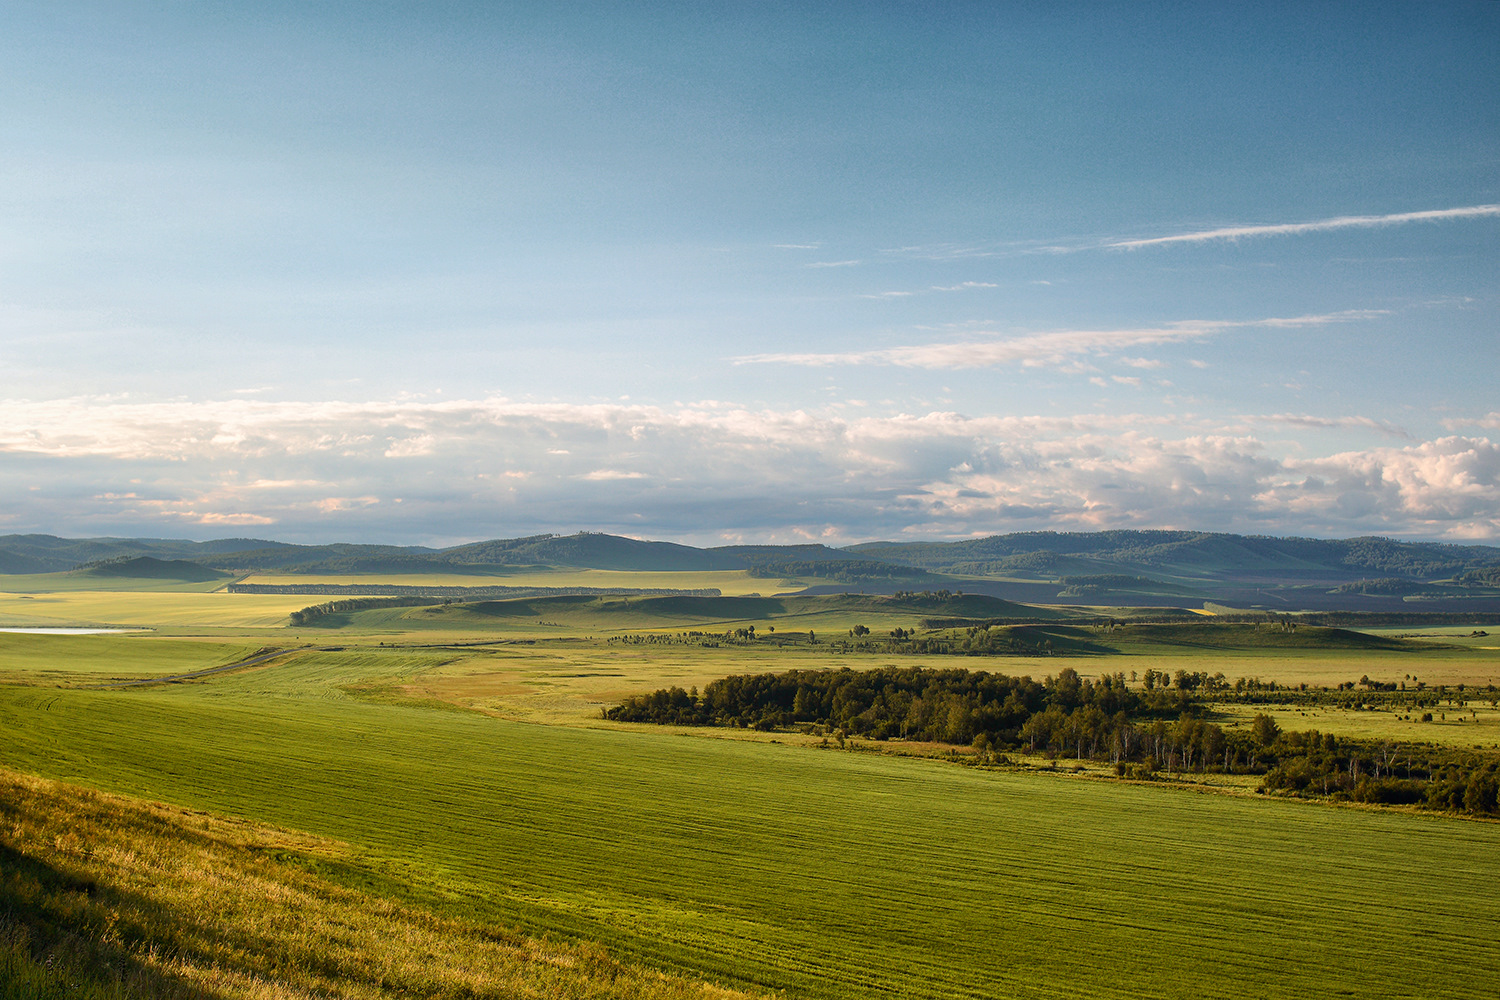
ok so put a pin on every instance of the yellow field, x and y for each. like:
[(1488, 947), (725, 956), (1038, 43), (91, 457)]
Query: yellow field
[(150, 610), (568, 683), (1474, 727), (732, 583)]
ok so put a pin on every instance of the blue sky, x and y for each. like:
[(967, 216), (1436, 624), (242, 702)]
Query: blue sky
[(437, 272)]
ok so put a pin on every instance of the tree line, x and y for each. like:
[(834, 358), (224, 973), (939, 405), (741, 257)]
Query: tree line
[(1155, 728), (918, 703)]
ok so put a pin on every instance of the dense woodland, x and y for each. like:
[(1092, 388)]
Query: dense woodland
[(1159, 726)]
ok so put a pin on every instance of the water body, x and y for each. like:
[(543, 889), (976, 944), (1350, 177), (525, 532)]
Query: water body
[(69, 631)]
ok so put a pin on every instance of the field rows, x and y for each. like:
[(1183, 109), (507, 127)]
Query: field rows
[(828, 874)]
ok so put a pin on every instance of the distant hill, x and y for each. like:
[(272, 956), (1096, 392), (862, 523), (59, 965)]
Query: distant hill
[(150, 568), (592, 550), (1195, 554), (50, 554), (1106, 568)]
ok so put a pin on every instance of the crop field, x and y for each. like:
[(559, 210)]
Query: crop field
[(731, 583), (94, 659), (1474, 727), (479, 782), (825, 873), (53, 583), (148, 609)]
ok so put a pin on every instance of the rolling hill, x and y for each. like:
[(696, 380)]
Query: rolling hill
[(1177, 568)]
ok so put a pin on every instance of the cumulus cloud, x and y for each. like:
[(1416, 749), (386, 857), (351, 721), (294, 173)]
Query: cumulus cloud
[(1054, 348), (490, 467)]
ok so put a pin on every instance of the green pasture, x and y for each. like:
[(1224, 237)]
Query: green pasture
[(732, 583), (1476, 727), (73, 580), (829, 617), (98, 659), (825, 873)]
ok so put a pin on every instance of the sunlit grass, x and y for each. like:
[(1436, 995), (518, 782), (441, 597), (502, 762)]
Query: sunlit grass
[(104, 896), (825, 873)]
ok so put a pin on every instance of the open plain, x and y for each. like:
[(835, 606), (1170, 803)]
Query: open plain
[(459, 751)]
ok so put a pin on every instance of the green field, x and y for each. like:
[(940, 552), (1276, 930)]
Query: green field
[(829, 874), (479, 781), (732, 583), (95, 659)]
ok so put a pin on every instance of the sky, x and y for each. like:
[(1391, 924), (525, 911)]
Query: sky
[(715, 273)]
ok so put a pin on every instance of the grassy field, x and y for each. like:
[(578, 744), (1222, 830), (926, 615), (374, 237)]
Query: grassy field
[(756, 859), (55, 583), (160, 610), (732, 583), (828, 874), (95, 659), (134, 899)]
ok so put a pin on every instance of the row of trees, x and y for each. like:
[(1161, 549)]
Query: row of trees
[(1142, 731), (940, 705), (312, 613), (1310, 766)]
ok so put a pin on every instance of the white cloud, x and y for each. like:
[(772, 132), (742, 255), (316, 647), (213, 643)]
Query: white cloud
[(213, 519), (1053, 348), (833, 263), (605, 475), (419, 444), (330, 505), (492, 467), (1323, 225), (1490, 421), (1340, 423)]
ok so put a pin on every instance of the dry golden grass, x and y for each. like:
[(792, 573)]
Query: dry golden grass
[(102, 895)]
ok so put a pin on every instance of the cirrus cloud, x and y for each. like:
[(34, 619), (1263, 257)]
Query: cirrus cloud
[(1053, 348)]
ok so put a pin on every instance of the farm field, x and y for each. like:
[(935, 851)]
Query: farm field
[(54, 583), (480, 782), (159, 610), (825, 873), (92, 659), (732, 583), (225, 908)]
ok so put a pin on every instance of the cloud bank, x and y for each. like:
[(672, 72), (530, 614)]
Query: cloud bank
[(412, 470)]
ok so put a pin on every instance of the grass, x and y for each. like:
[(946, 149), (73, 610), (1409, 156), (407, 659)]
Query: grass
[(830, 616), (1459, 730), (94, 659), (823, 873), (108, 897), (420, 776), (172, 609), (76, 580), (732, 583)]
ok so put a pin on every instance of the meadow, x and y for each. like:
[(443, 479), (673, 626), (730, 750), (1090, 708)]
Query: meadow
[(732, 583), (478, 783)]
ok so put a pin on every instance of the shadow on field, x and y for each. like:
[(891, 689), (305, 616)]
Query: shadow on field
[(64, 936)]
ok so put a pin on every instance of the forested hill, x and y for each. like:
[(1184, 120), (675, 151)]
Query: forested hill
[(1107, 568), (585, 550), (1192, 554)]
